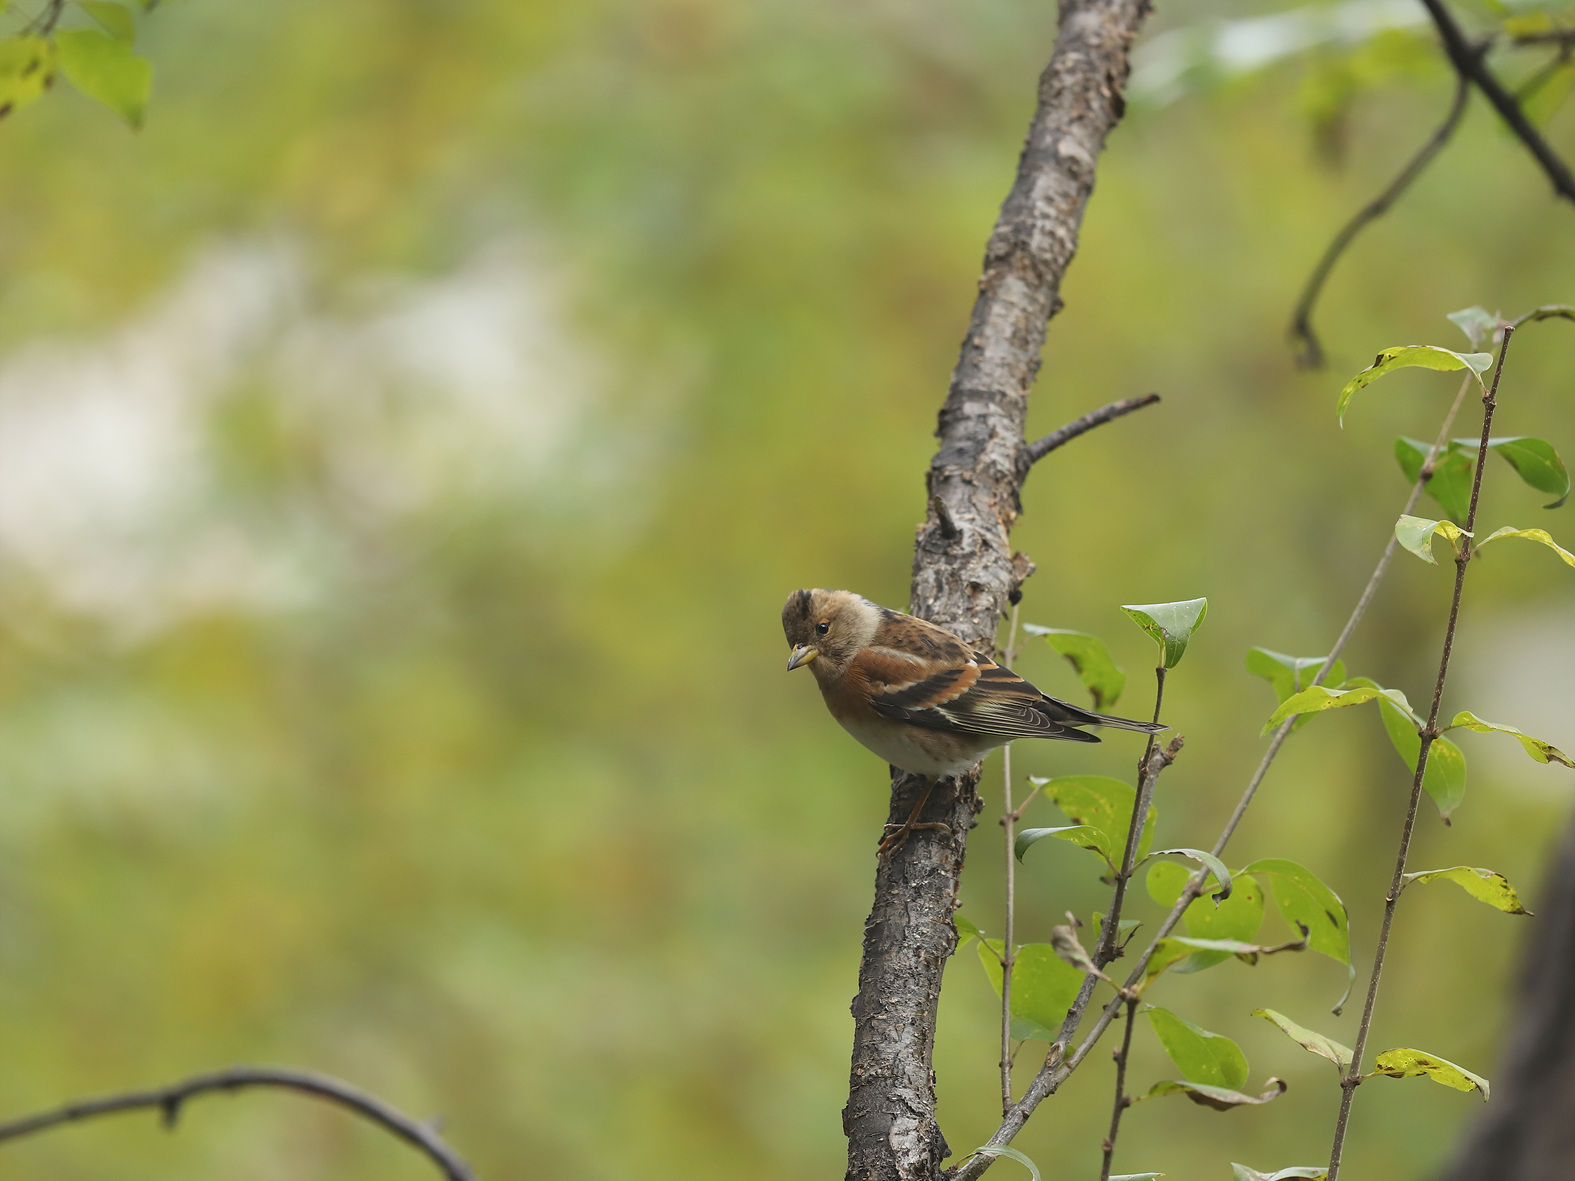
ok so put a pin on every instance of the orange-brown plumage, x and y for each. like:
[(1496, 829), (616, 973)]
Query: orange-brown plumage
[(917, 695)]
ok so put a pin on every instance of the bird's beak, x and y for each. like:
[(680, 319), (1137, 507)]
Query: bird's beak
[(803, 654)]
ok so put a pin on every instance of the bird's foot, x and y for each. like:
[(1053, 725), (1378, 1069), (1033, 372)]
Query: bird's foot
[(894, 840)]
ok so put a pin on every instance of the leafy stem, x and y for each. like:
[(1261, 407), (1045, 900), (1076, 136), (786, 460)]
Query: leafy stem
[(1058, 1066), (1353, 1076)]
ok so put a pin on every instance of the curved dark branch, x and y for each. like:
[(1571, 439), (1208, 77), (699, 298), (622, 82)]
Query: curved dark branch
[(1311, 354), (1033, 452), (1469, 63), (169, 1100)]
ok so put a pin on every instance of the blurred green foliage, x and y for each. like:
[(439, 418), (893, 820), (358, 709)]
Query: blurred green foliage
[(407, 440)]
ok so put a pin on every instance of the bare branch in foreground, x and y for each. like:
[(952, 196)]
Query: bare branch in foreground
[(169, 1101), (1311, 355), (1039, 448)]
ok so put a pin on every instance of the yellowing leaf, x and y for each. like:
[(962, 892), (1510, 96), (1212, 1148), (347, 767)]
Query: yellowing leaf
[(27, 66), (1416, 534), (1404, 1063), (1485, 885), (1540, 535), (1537, 748)]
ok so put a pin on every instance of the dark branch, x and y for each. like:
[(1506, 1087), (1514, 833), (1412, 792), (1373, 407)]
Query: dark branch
[(1311, 355), (965, 573), (1564, 37), (170, 1099), (1033, 452), (1469, 63)]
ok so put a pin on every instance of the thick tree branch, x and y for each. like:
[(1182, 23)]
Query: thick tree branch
[(169, 1100), (1469, 64), (964, 572), (1033, 452), (1311, 355)]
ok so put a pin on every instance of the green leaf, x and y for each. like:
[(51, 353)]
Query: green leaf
[(1307, 1039), (1304, 901), (27, 67), (1135, 1176), (106, 70), (1450, 483), (1485, 885), (965, 931), (1238, 917), (1289, 675), (1009, 1153), (1201, 1056), (1530, 535), (1104, 805), (1317, 699), (1096, 668), (1537, 463), (1174, 949), (1209, 862), (1403, 1063), (1445, 779), (116, 18), (1543, 752), (1243, 1173), (1170, 625), (1219, 1098), (1425, 356), (1477, 323), (1043, 987), (1416, 534), (1082, 835)]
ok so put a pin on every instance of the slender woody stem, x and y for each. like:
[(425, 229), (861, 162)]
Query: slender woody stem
[(1110, 938), (1123, 1100), (1353, 1077), (169, 1101), (1009, 948), (1058, 1066)]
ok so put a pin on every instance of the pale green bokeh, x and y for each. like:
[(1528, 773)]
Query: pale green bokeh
[(411, 435)]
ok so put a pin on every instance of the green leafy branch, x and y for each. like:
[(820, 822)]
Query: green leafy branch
[(97, 55)]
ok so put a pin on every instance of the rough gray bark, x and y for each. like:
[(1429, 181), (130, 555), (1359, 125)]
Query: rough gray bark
[(964, 573), (1528, 1131)]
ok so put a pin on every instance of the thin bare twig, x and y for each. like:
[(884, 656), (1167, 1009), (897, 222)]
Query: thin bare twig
[(1427, 734), (1470, 64), (169, 1101), (1311, 355), (1123, 1100), (1033, 452), (1009, 949)]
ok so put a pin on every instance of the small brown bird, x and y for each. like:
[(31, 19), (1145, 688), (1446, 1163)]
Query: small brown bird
[(917, 695)]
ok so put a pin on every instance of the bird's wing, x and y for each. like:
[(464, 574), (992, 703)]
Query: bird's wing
[(918, 673)]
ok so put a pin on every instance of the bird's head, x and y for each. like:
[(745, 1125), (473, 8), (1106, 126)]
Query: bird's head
[(828, 628)]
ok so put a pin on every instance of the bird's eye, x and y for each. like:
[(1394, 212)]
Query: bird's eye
[(822, 628)]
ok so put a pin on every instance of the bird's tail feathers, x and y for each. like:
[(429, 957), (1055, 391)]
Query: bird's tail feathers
[(1116, 723)]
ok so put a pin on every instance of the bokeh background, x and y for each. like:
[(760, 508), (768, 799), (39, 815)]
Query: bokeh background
[(407, 441)]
